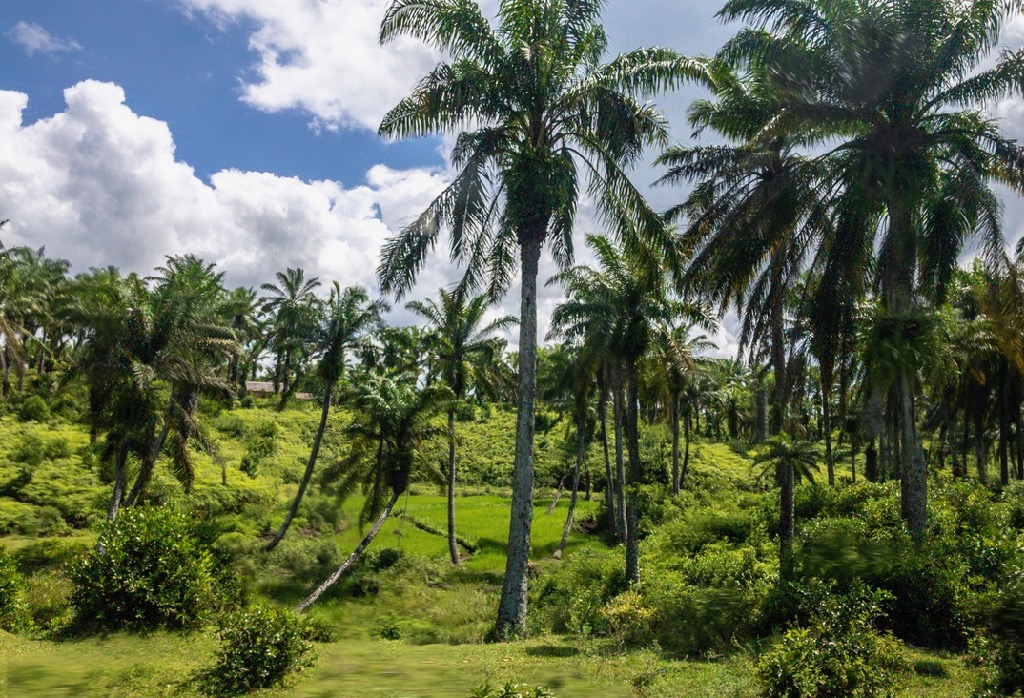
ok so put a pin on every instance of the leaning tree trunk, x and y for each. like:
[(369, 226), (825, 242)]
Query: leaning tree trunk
[(314, 453), (674, 418), (581, 451), (148, 466), (620, 461), (511, 620), (330, 581), (453, 543), (119, 480), (632, 501)]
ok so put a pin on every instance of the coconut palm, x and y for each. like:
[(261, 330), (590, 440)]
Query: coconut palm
[(462, 347), (897, 84), (392, 421), (293, 305), (541, 107), (348, 315)]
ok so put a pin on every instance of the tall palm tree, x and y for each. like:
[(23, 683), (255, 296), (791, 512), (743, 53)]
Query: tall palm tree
[(293, 304), (541, 106), (461, 348), (348, 315), (392, 421), (897, 84), (615, 309)]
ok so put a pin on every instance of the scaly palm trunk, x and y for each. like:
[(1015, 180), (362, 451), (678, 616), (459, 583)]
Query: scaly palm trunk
[(142, 480), (674, 418), (620, 461), (609, 486), (512, 607), (581, 451), (786, 520), (826, 412), (632, 501), (330, 581), (453, 543), (314, 453), (686, 448)]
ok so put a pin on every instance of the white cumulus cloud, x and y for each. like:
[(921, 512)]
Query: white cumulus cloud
[(99, 184), (33, 38), (323, 57)]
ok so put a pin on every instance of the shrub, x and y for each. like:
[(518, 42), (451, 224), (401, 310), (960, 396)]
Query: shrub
[(148, 570), (34, 409), (838, 652), (259, 648), (1006, 624), (14, 615), (510, 690)]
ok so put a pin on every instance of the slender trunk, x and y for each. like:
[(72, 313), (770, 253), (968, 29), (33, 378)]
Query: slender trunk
[(1018, 442), (674, 419), (1001, 405), (557, 497), (119, 477), (871, 462), (776, 318), (962, 471), (314, 453), (148, 466), (853, 457), (581, 452), (826, 415), (786, 520), (620, 462), (511, 620), (453, 543), (609, 482), (8, 359), (588, 486), (686, 448), (330, 581), (979, 445), (632, 502), (286, 386)]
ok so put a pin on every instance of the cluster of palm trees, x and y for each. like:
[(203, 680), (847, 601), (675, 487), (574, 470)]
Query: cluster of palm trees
[(852, 161), (857, 161)]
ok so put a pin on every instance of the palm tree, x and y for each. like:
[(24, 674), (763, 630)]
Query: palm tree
[(242, 309), (542, 106), (788, 461), (752, 213), (293, 305), (614, 309), (392, 422), (896, 84), (349, 314), (461, 349)]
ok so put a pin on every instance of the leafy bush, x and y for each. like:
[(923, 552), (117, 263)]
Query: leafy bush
[(14, 615), (1006, 646), (259, 648), (33, 409), (837, 653), (261, 446), (148, 570), (510, 690)]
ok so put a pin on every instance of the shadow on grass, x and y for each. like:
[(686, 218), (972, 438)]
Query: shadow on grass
[(553, 651)]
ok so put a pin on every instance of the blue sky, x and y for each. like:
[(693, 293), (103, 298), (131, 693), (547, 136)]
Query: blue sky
[(244, 131)]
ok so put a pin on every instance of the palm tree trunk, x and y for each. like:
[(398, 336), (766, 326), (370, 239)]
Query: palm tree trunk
[(686, 448), (914, 471), (7, 360), (330, 581), (314, 453), (674, 418), (119, 478), (632, 502), (826, 415), (609, 482), (581, 450), (286, 386), (1001, 406), (980, 461), (453, 543), (620, 461), (148, 466), (511, 620), (786, 520)]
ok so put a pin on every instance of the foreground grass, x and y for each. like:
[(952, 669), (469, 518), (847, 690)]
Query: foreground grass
[(162, 664)]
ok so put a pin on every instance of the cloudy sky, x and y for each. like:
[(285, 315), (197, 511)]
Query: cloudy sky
[(245, 131)]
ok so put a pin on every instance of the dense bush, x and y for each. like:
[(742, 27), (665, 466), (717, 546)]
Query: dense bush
[(33, 409), (1005, 650), (259, 648), (14, 615), (837, 653), (148, 570)]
